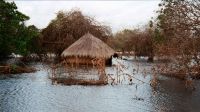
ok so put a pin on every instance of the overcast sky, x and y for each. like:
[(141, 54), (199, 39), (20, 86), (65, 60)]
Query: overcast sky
[(117, 14)]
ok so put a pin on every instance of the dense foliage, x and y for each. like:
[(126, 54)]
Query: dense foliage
[(138, 41), (15, 36), (179, 22), (68, 27)]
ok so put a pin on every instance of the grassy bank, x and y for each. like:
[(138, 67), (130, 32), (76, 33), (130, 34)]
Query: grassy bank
[(15, 69)]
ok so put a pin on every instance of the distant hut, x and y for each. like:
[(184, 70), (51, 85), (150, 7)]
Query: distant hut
[(88, 50)]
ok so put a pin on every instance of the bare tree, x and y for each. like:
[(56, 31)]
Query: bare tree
[(68, 27), (179, 21)]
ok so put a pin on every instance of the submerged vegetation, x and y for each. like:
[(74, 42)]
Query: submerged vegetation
[(179, 24), (173, 36), (15, 36), (151, 68), (15, 69)]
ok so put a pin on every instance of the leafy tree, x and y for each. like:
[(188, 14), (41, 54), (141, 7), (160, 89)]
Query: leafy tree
[(122, 40), (26, 36), (14, 34), (137, 40)]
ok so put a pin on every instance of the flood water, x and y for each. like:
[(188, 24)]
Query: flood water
[(35, 92)]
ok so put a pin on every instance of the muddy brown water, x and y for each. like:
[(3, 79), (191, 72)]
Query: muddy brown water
[(34, 92)]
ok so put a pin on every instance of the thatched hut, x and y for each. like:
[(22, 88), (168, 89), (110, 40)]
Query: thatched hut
[(88, 50)]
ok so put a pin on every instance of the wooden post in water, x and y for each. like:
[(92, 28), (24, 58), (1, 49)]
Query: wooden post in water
[(101, 69)]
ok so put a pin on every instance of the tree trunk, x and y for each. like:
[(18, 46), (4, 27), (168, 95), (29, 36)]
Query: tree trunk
[(150, 59)]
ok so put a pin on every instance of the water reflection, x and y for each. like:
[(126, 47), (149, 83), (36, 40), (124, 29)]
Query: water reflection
[(173, 96), (35, 93)]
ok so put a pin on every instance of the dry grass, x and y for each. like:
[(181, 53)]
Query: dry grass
[(78, 81), (10, 69), (89, 46)]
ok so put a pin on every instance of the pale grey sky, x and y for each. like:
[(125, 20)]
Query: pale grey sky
[(117, 14)]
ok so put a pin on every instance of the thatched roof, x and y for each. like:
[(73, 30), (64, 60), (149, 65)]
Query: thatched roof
[(88, 46)]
